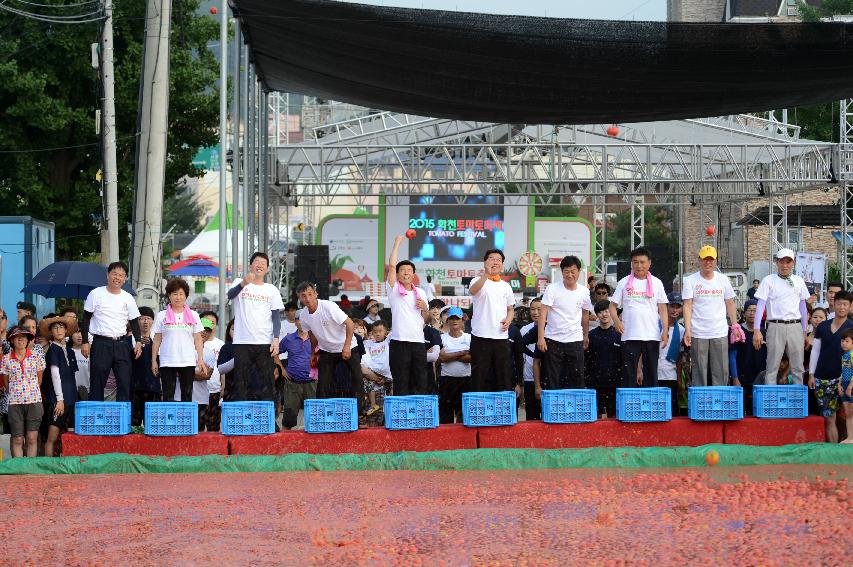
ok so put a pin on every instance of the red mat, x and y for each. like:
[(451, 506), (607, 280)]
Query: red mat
[(755, 431), (206, 443), (378, 440), (681, 431)]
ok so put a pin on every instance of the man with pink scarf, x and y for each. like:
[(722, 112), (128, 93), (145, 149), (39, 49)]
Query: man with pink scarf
[(409, 311), (644, 324)]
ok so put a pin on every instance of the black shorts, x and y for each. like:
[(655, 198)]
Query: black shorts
[(64, 422)]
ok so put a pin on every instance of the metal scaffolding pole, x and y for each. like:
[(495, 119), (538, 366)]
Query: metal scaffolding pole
[(235, 152), (599, 217), (251, 169), (263, 167), (845, 176), (638, 220)]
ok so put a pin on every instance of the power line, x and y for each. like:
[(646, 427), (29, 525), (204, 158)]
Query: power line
[(80, 18)]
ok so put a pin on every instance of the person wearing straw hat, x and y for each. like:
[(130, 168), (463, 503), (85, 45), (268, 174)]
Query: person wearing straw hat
[(59, 394), (708, 300), (21, 373), (783, 295)]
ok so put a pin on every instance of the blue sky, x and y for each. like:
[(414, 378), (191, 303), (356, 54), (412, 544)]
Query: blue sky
[(601, 9)]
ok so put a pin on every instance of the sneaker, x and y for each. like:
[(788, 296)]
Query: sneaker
[(372, 410)]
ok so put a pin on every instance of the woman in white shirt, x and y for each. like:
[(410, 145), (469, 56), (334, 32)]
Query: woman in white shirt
[(178, 342)]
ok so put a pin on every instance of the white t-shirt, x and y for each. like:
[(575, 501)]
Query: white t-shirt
[(287, 328), (82, 375), (111, 311), (177, 345), (456, 368), (565, 312), (211, 353), (201, 393), (408, 321), (667, 369), (327, 326), (376, 357), (708, 316), (783, 299), (640, 313), (253, 308), (490, 305), (528, 360)]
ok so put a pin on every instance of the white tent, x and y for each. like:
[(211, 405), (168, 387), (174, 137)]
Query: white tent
[(207, 241)]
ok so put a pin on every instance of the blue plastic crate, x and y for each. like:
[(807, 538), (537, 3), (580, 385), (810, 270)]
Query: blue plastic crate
[(715, 403), (569, 406), (643, 404), (786, 401), (102, 418), (331, 415), (411, 412), (481, 409), (171, 418), (248, 418)]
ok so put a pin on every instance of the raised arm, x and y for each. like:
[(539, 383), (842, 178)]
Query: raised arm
[(392, 260)]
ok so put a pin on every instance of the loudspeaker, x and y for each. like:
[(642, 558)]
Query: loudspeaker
[(312, 265), (623, 268), (663, 264)]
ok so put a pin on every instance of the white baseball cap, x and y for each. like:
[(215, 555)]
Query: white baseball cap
[(786, 253)]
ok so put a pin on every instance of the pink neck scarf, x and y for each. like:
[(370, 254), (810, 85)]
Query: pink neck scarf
[(170, 315), (649, 291), (403, 291)]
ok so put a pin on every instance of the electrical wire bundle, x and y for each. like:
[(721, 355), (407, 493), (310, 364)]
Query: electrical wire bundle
[(81, 12)]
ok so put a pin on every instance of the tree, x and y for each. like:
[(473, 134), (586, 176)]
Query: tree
[(49, 149), (820, 121), (659, 230)]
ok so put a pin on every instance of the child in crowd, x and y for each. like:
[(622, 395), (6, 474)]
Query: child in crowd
[(82, 376), (604, 368), (845, 388), (784, 375), (21, 374), (59, 394), (455, 357), (669, 352), (375, 365), (145, 385)]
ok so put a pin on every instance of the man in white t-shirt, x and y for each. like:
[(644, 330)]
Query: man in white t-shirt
[(288, 324), (784, 296), (330, 330), (565, 310), (669, 351), (494, 312), (455, 358), (106, 313), (644, 324), (257, 325), (409, 312), (708, 301)]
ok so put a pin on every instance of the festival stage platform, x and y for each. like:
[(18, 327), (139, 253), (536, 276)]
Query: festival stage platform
[(681, 431)]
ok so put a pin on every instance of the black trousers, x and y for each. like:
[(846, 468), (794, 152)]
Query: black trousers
[(408, 368), (605, 399), (673, 386), (633, 351), (244, 388), (170, 375), (450, 390), (105, 355), (564, 355), (532, 406), (326, 364), (137, 405), (489, 365)]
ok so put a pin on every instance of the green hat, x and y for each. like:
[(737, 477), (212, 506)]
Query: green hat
[(207, 323)]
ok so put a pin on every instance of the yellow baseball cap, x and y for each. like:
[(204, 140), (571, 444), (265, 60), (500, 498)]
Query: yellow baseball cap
[(708, 251)]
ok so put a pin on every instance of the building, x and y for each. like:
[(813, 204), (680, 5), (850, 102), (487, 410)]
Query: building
[(734, 10)]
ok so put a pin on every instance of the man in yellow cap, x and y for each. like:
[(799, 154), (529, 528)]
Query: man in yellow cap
[(708, 300)]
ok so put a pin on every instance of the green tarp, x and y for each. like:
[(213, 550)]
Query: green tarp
[(476, 459)]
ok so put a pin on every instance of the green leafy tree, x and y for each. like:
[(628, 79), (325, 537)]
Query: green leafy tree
[(659, 230), (820, 121), (49, 150)]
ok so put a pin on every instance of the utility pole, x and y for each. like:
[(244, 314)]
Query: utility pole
[(151, 154), (223, 136), (235, 154), (110, 253)]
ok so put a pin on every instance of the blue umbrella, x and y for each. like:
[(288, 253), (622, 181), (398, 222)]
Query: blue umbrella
[(191, 270), (70, 280)]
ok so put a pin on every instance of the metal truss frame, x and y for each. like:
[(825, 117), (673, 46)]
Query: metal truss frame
[(845, 176)]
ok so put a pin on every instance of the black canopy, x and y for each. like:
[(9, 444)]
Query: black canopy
[(517, 69)]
